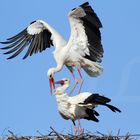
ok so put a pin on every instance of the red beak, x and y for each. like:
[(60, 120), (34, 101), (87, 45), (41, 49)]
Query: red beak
[(52, 85), (58, 82)]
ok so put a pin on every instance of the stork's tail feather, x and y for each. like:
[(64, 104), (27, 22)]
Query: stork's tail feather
[(113, 108), (93, 69)]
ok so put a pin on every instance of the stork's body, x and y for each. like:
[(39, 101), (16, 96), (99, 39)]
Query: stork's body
[(80, 106), (83, 50)]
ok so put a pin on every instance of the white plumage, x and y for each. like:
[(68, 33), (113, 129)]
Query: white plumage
[(83, 50), (80, 106)]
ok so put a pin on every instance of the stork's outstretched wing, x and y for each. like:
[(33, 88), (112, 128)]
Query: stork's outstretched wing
[(85, 34), (36, 37)]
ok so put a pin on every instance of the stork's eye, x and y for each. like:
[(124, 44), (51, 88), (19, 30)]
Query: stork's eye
[(51, 76)]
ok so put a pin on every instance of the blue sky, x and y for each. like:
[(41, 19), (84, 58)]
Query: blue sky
[(25, 102)]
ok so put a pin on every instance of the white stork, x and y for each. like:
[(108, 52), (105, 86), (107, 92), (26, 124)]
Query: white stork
[(80, 106), (83, 50)]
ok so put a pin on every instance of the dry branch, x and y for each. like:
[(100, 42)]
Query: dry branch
[(54, 135)]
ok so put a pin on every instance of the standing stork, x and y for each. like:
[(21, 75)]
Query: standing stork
[(83, 50), (80, 106)]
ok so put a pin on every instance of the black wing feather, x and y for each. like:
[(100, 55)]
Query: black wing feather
[(84, 4), (100, 100), (18, 35), (42, 43), (97, 99), (30, 48), (90, 12), (91, 115), (14, 44), (19, 50), (35, 43), (39, 44), (16, 47), (92, 23)]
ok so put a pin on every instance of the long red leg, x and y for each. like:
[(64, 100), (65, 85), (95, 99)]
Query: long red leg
[(81, 80), (76, 82), (75, 128), (80, 129)]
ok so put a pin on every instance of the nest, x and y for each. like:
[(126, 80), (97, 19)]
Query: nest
[(54, 135)]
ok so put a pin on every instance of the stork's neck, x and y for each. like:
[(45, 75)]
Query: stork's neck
[(61, 90)]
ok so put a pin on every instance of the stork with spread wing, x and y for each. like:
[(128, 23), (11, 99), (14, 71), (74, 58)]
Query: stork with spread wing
[(83, 50)]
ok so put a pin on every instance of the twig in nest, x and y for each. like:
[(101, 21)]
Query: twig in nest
[(40, 133), (61, 137), (101, 133), (13, 135), (118, 132)]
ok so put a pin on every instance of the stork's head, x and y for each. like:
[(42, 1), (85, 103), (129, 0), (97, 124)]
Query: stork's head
[(51, 73), (64, 84)]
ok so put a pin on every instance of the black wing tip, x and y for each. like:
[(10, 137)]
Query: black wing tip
[(4, 48), (95, 120), (6, 53), (73, 9), (4, 42), (113, 108), (84, 4), (117, 110), (17, 35), (33, 22), (9, 57), (88, 10), (25, 56)]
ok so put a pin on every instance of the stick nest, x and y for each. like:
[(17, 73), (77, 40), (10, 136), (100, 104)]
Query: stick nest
[(54, 135)]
